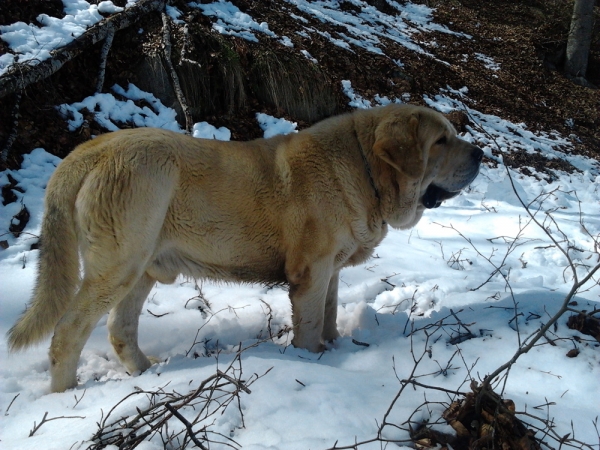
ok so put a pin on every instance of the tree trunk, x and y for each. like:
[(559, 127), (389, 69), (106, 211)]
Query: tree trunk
[(580, 37)]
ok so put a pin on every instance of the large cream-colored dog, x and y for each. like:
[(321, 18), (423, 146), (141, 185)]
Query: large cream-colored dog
[(145, 205)]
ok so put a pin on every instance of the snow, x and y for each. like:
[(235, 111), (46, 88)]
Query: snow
[(175, 14), (488, 62), (231, 21), (478, 258), (110, 110), (311, 401), (494, 131), (308, 56), (273, 126), (33, 43), (357, 101), (368, 26), (207, 131), (285, 40)]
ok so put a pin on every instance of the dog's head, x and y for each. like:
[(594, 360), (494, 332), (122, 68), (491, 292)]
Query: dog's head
[(431, 162)]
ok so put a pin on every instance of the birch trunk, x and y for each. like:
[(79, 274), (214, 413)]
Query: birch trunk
[(580, 38)]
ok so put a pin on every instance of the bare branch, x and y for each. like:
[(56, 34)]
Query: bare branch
[(188, 426), (45, 420), (10, 404), (14, 129), (155, 419), (103, 57), (189, 123)]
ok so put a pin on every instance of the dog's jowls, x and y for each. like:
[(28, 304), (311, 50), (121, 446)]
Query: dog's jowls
[(145, 205)]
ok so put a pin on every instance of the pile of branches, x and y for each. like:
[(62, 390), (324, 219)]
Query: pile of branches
[(586, 323), (482, 419), (177, 420)]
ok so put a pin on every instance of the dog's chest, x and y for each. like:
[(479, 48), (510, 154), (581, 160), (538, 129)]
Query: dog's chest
[(362, 244)]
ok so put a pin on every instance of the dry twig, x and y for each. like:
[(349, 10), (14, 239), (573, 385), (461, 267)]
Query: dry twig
[(193, 412), (12, 136), (36, 427)]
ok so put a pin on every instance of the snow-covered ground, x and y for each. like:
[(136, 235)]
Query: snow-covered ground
[(478, 262), (311, 401)]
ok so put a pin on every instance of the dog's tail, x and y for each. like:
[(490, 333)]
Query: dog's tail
[(58, 266)]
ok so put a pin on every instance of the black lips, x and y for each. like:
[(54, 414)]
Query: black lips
[(435, 195)]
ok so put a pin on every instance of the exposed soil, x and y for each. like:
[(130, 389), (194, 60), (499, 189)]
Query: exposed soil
[(526, 38)]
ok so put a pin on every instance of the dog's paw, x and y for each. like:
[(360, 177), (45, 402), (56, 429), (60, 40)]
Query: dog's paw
[(314, 347), (330, 335), (154, 360)]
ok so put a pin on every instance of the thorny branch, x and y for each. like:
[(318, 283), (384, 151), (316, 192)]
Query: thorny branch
[(498, 425), (431, 332), (576, 287), (205, 311), (11, 403), (577, 282)]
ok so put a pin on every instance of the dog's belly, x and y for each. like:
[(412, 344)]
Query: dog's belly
[(263, 269)]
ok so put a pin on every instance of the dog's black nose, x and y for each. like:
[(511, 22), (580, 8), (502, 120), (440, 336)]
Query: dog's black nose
[(477, 154)]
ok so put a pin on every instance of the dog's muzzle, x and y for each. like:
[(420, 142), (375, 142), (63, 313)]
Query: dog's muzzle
[(435, 195)]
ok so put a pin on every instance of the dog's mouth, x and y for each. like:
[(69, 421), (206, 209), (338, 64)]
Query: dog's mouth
[(435, 195)]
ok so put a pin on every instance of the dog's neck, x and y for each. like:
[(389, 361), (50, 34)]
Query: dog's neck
[(368, 168)]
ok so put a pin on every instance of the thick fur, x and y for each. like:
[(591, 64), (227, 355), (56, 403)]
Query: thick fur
[(145, 205)]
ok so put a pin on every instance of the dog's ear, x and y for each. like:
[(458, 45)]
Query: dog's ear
[(399, 146)]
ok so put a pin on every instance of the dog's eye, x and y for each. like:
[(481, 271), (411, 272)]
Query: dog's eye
[(441, 141)]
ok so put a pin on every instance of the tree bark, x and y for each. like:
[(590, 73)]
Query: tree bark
[(25, 74), (103, 57), (580, 38)]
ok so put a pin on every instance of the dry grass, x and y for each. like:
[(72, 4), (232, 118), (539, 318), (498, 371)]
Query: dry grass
[(293, 84)]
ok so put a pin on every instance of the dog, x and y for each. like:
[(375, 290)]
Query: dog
[(144, 205)]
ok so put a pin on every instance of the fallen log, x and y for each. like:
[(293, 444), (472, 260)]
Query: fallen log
[(22, 75)]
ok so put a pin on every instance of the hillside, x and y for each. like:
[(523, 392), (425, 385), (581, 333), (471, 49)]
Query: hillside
[(505, 52)]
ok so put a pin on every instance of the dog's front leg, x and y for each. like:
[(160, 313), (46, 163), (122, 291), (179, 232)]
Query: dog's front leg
[(309, 283)]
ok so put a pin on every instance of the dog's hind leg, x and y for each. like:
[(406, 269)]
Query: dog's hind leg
[(123, 326), (95, 298), (120, 211), (114, 273), (330, 331)]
